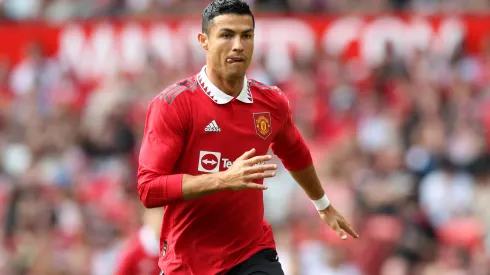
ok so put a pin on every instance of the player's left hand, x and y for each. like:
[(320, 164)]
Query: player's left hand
[(337, 222)]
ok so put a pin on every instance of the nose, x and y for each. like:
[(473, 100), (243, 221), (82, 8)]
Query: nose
[(237, 44)]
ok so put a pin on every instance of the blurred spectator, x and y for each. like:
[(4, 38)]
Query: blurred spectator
[(62, 10), (23, 9), (141, 252), (446, 193)]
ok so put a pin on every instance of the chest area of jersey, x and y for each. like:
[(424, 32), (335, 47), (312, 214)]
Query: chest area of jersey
[(236, 122), (223, 133)]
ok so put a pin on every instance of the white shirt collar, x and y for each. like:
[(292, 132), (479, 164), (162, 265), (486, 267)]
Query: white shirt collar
[(219, 96), (149, 241)]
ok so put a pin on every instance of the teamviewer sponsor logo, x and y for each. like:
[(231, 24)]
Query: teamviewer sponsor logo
[(209, 162)]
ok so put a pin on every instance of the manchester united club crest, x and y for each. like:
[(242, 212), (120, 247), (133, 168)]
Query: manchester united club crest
[(263, 126)]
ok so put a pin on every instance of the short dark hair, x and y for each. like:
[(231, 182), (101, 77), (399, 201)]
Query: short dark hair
[(220, 7)]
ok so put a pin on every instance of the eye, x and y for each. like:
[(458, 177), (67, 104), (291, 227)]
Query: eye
[(226, 35), (247, 36)]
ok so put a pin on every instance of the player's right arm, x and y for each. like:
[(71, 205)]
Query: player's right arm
[(163, 142), (241, 175)]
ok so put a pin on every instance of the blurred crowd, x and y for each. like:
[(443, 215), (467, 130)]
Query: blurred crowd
[(403, 152), (61, 10), (401, 148)]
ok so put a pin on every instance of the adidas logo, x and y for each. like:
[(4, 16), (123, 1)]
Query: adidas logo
[(212, 127)]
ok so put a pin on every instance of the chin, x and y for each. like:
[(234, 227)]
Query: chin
[(235, 72)]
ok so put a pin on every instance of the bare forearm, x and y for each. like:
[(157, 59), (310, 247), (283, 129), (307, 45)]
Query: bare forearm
[(308, 180), (198, 186)]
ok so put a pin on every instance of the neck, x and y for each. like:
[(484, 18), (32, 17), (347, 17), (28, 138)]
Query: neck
[(231, 86)]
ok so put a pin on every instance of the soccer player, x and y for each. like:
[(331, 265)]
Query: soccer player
[(140, 255), (203, 157)]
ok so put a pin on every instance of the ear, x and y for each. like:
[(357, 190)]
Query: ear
[(203, 40)]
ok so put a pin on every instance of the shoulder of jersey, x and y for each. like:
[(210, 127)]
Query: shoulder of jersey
[(270, 92), (265, 89), (179, 89)]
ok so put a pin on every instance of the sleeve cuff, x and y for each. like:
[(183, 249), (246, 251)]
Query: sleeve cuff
[(173, 187)]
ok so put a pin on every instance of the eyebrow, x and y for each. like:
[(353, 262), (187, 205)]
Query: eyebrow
[(230, 30)]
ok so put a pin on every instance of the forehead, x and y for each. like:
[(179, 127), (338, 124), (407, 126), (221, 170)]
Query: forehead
[(235, 22)]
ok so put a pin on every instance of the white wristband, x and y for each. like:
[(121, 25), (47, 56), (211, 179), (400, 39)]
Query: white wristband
[(321, 204)]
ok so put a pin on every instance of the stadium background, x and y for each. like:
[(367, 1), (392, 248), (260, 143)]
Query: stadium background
[(392, 97)]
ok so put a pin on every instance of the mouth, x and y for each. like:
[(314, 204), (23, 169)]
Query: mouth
[(232, 60)]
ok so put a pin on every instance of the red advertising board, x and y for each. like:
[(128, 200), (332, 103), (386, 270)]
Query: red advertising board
[(96, 46)]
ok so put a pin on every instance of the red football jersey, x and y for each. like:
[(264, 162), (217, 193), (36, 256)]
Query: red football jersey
[(140, 256), (194, 128)]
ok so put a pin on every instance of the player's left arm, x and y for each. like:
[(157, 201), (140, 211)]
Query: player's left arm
[(309, 181), (291, 148)]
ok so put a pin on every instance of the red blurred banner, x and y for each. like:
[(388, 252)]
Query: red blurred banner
[(101, 46)]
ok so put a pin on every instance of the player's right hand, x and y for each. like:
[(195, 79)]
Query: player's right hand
[(246, 170)]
